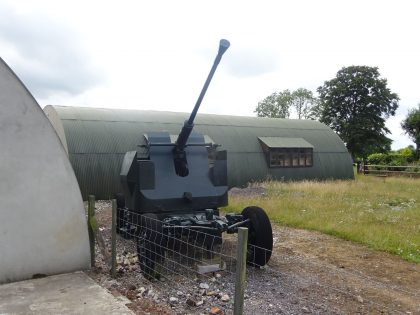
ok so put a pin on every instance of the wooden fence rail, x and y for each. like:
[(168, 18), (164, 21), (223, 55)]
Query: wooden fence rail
[(391, 170)]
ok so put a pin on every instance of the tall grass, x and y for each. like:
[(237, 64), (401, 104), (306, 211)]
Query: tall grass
[(381, 213)]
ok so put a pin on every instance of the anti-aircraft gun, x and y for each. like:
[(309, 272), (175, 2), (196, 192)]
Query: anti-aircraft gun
[(180, 182)]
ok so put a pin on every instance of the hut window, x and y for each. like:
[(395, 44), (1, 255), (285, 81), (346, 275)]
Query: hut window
[(287, 152), (285, 157)]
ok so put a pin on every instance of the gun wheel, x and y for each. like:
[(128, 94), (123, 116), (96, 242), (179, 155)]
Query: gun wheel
[(151, 245), (260, 236)]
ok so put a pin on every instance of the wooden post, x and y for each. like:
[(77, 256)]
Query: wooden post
[(91, 217), (241, 252), (114, 239)]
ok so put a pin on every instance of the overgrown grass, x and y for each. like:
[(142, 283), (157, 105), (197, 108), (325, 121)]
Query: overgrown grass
[(383, 214)]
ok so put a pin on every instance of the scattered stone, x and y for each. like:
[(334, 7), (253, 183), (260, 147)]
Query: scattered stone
[(359, 299), (199, 303), (203, 269), (179, 293), (215, 310), (204, 285), (131, 295), (141, 290), (111, 284), (218, 275), (225, 298), (191, 302), (211, 293), (123, 299), (134, 260), (305, 310), (115, 292), (173, 300)]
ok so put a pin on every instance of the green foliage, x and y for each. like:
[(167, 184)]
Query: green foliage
[(303, 101), (409, 153), (378, 159), (411, 126), (276, 105), (402, 157), (398, 159), (355, 105)]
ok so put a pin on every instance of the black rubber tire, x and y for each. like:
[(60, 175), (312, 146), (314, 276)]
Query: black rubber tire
[(260, 236), (151, 246)]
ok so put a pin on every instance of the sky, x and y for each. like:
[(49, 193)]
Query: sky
[(155, 55)]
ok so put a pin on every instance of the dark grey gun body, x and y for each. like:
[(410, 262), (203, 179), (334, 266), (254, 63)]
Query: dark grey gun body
[(151, 184)]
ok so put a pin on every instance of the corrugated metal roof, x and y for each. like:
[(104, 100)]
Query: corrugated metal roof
[(282, 142), (98, 138)]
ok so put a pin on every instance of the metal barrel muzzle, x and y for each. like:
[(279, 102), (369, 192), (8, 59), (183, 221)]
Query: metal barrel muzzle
[(189, 124)]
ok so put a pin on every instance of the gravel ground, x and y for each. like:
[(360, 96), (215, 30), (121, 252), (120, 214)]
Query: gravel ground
[(309, 273)]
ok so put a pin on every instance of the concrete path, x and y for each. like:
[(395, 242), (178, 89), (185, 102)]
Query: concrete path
[(73, 293)]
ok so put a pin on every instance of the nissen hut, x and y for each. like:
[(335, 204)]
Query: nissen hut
[(96, 140)]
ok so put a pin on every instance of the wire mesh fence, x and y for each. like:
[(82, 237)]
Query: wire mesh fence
[(165, 249), (191, 257), (202, 266)]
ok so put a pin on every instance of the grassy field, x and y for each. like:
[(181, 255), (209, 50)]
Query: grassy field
[(381, 213)]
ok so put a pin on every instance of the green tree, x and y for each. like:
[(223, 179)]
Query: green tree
[(276, 105), (355, 104), (316, 110), (411, 126), (303, 101)]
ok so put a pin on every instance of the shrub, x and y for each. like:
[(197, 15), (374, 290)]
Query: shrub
[(408, 152), (379, 159), (402, 157)]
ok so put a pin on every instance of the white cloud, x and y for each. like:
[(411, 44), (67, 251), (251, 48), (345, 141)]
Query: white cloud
[(156, 54), (45, 54)]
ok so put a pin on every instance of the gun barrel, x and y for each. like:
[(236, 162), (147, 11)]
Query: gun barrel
[(189, 124)]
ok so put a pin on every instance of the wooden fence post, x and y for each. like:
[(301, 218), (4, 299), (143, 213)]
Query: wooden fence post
[(241, 253), (114, 239), (91, 229)]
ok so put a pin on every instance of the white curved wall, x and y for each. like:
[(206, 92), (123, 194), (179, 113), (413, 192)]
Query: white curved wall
[(43, 228)]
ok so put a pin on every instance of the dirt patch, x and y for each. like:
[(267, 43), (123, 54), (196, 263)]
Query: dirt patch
[(364, 280), (252, 190), (309, 273)]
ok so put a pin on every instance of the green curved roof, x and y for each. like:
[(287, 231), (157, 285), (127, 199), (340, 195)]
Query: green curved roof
[(97, 139)]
